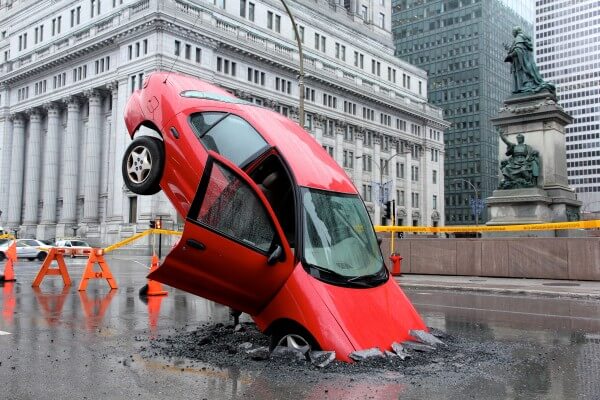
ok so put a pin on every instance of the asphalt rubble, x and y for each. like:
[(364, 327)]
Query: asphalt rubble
[(243, 346)]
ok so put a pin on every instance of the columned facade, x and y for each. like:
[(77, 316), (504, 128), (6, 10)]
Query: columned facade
[(63, 98)]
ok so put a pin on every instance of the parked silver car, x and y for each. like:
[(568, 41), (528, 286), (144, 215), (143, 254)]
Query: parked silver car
[(26, 248)]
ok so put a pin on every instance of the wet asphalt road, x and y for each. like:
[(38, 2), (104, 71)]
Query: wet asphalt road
[(59, 343)]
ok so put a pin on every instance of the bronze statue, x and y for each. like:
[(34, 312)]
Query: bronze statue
[(522, 168), (526, 76)]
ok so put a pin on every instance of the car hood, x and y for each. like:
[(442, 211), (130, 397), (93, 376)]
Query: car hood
[(371, 317)]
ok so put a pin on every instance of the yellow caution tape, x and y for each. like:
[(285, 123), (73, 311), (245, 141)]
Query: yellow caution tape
[(7, 236), (140, 235), (492, 228)]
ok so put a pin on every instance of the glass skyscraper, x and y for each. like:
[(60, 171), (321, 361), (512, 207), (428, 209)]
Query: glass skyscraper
[(460, 44), (568, 54)]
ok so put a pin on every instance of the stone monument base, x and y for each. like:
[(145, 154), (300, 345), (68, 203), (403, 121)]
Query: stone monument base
[(533, 206)]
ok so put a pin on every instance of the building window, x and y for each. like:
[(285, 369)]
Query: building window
[(308, 121), (243, 8), (301, 33), (198, 55), (434, 176), (133, 210), (348, 159), (251, 11), (400, 197), (188, 51), (145, 45), (367, 163), (320, 42), (270, 19), (399, 170), (434, 202), (278, 23), (367, 191), (340, 51), (220, 3), (177, 48), (382, 20), (364, 13)]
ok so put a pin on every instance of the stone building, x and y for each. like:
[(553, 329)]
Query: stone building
[(67, 69)]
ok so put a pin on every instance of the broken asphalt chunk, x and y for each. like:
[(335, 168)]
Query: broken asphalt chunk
[(399, 350), (425, 348), (362, 355), (259, 354), (321, 359), (425, 337), (245, 346), (288, 354)]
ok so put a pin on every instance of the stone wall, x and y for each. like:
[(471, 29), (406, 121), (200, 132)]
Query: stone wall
[(545, 258)]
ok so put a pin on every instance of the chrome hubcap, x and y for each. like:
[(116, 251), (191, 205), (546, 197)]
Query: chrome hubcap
[(139, 164), (295, 342)]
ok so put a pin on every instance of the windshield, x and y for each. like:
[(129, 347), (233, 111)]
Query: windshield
[(339, 242)]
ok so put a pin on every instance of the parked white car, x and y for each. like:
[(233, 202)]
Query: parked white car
[(76, 247), (26, 248)]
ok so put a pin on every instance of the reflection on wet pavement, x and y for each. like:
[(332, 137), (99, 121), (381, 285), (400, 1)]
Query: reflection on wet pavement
[(68, 344)]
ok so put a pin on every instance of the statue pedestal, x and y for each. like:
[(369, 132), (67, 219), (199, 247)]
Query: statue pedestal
[(542, 123), (531, 206)]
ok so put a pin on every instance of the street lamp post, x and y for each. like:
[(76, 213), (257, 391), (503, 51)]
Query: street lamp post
[(301, 66), (381, 191), (476, 199)]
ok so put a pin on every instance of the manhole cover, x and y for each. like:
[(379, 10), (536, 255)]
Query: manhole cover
[(560, 284)]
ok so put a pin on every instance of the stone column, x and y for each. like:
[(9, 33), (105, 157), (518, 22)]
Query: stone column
[(93, 153), (7, 150), (339, 143), (376, 176), (408, 185), (70, 163), (15, 191), (32, 174), (50, 173), (424, 185), (358, 162), (121, 141)]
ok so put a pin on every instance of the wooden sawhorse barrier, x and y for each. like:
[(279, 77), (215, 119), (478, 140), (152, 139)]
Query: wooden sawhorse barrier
[(96, 256)]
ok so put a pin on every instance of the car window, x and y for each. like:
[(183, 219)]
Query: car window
[(202, 122), (21, 244), (79, 243), (31, 243), (231, 137), (229, 204)]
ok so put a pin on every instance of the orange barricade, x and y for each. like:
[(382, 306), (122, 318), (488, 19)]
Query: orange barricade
[(55, 253), (9, 266), (97, 257)]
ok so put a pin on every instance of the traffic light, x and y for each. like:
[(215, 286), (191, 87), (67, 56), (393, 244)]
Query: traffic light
[(156, 224), (152, 224), (387, 209)]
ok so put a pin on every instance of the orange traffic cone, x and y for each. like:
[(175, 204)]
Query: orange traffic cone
[(9, 267), (153, 288)]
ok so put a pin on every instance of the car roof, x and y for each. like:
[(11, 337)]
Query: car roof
[(309, 162)]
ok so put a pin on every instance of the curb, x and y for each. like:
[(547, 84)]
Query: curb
[(524, 292)]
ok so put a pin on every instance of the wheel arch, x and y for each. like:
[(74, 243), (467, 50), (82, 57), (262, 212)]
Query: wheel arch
[(289, 325), (147, 128)]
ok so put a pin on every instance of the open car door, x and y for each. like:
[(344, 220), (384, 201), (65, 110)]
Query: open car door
[(233, 250)]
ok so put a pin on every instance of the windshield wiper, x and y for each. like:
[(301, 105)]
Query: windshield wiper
[(339, 278), (371, 278)]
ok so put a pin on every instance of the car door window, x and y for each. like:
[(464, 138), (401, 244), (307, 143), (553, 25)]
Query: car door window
[(233, 209), (231, 136), (31, 243)]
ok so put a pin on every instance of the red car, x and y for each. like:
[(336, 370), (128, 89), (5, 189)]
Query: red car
[(274, 227)]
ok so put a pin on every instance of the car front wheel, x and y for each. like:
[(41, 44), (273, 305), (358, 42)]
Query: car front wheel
[(143, 164), (42, 255), (2, 256)]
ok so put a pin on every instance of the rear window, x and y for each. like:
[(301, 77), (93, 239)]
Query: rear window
[(79, 243), (230, 136)]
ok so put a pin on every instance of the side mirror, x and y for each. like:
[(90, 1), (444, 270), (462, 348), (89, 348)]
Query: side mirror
[(275, 255)]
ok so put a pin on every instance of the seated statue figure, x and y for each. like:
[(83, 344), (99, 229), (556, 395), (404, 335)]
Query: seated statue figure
[(522, 168)]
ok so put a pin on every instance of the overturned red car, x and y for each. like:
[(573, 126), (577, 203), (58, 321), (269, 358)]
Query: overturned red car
[(274, 227)]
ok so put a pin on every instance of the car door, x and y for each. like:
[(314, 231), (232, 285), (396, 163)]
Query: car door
[(230, 242)]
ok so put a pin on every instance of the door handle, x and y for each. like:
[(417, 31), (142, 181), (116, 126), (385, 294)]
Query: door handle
[(195, 244)]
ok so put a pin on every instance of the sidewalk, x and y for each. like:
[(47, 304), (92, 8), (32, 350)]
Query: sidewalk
[(540, 287)]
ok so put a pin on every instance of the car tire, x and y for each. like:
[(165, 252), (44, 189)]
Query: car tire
[(294, 337), (143, 164), (2, 256), (31, 258), (42, 255)]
